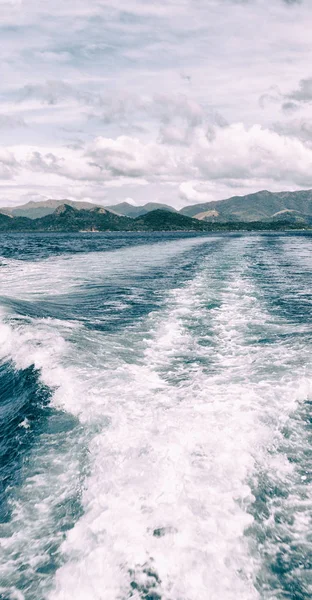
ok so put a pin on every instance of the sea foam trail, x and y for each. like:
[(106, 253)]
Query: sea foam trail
[(47, 501), (182, 411), (154, 524), (190, 420)]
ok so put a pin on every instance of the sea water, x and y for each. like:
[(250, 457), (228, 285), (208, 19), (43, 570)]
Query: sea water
[(155, 417)]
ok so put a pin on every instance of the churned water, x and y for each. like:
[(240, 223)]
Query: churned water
[(155, 417)]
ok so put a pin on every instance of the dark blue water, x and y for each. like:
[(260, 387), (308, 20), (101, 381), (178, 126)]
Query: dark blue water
[(155, 412)]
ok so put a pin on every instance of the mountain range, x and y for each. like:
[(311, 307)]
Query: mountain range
[(255, 211), (35, 210), (69, 219), (260, 206)]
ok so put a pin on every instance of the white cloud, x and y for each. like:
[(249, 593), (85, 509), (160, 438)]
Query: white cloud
[(237, 153), (194, 192), (126, 156), (233, 153), (300, 128), (160, 100), (8, 164)]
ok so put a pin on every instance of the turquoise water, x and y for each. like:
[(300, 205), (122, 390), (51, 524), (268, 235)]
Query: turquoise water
[(155, 417)]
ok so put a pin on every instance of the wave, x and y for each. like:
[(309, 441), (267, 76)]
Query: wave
[(23, 410), (40, 438)]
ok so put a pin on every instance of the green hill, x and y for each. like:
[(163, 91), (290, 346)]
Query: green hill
[(8, 223), (163, 220), (260, 206), (68, 218)]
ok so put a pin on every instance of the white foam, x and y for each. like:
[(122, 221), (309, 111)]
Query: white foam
[(176, 457), (62, 274)]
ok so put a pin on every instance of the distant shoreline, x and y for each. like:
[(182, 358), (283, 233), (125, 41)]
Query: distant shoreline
[(156, 231)]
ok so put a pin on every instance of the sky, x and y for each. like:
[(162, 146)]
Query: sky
[(176, 101)]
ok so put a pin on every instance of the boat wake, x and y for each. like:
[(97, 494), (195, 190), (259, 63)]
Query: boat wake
[(162, 423)]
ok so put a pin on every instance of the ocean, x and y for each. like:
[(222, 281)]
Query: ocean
[(155, 411)]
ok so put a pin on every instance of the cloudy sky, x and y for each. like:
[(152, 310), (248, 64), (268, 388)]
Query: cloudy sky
[(179, 101)]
